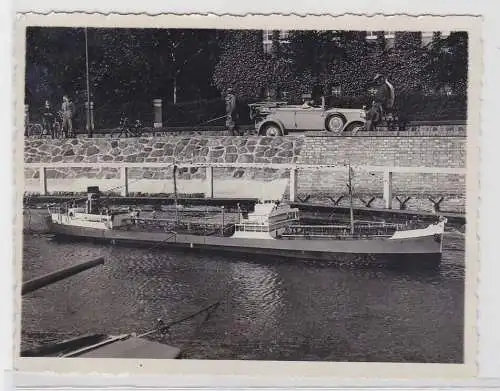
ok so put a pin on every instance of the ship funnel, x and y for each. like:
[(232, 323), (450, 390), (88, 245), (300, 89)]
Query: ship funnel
[(93, 203)]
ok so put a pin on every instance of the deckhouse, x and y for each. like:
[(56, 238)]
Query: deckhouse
[(267, 220)]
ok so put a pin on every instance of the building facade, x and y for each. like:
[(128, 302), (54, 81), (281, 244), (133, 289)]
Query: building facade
[(389, 36)]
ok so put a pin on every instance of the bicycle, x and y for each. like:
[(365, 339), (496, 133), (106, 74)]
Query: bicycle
[(33, 129), (130, 130)]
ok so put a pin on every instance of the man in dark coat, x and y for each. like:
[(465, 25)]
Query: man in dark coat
[(231, 114), (383, 101), (48, 119)]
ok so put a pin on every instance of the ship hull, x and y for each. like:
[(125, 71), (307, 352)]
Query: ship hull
[(422, 251)]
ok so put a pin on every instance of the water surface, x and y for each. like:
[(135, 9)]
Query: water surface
[(270, 310)]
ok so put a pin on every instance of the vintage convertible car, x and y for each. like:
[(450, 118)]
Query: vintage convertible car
[(279, 118)]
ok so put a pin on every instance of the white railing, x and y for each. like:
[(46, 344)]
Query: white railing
[(293, 168)]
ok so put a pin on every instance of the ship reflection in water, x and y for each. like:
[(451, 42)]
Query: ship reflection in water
[(271, 310)]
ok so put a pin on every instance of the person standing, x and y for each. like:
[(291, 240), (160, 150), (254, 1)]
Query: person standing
[(383, 101), (68, 110), (48, 119), (231, 113)]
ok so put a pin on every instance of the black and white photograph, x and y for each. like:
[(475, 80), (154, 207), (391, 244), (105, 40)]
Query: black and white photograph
[(268, 194)]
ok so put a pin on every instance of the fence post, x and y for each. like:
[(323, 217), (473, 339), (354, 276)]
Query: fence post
[(210, 182), (43, 181), (158, 118), (124, 179), (293, 184), (388, 189)]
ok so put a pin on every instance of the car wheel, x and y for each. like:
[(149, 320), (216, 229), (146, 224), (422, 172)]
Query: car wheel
[(272, 130), (355, 127), (335, 123)]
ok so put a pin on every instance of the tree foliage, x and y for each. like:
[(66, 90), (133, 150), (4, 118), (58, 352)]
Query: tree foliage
[(242, 66), (340, 58), (130, 67)]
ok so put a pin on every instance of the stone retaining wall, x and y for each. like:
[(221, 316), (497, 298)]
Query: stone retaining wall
[(228, 149), (430, 151), (230, 181)]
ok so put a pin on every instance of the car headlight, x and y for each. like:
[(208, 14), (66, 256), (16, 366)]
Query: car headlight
[(362, 114)]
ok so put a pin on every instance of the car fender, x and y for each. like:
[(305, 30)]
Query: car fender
[(329, 113), (270, 120)]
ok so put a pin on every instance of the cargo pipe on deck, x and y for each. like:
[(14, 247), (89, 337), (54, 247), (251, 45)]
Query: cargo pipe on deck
[(48, 279)]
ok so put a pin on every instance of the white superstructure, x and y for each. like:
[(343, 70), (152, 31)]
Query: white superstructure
[(267, 220)]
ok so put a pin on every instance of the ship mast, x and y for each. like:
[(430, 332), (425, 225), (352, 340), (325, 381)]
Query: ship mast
[(349, 186), (175, 195)]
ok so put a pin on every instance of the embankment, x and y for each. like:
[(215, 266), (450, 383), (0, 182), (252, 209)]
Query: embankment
[(229, 182), (395, 150)]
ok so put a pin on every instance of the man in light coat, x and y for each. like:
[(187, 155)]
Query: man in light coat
[(67, 110), (231, 113)]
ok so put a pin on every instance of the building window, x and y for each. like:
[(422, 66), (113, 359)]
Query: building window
[(428, 36), (336, 91), (284, 35), (267, 35), (267, 39)]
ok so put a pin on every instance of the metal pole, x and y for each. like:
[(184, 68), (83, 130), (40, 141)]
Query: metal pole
[(89, 128), (175, 195), (350, 201), (222, 228)]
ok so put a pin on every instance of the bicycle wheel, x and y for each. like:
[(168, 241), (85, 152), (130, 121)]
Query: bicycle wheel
[(37, 130)]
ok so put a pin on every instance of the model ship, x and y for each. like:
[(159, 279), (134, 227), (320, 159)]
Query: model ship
[(273, 229)]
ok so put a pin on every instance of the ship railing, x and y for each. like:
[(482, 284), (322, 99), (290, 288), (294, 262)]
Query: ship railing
[(345, 235), (251, 227), (366, 230), (191, 227)]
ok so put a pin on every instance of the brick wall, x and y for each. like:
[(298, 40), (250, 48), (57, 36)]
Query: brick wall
[(386, 151)]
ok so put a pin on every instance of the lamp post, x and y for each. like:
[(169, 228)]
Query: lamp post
[(87, 105)]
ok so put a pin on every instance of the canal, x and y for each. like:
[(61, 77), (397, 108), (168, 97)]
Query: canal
[(272, 310)]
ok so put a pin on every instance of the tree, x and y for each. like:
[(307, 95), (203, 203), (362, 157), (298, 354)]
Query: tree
[(243, 65), (128, 67), (448, 61), (52, 67), (353, 71), (408, 40), (316, 52)]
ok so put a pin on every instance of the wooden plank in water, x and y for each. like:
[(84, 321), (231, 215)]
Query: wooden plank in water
[(51, 278), (134, 347)]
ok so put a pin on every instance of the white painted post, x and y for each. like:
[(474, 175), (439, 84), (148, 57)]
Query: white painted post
[(210, 182), (293, 184), (158, 114), (388, 189), (43, 181), (124, 179)]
